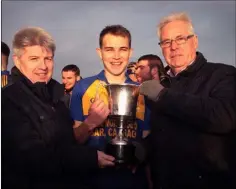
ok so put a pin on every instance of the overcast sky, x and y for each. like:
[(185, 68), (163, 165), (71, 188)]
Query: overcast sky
[(75, 26)]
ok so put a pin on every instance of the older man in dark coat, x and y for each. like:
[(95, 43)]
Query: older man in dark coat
[(193, 130), (38, 145)]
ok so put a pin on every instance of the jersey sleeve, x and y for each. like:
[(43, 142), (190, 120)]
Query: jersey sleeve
[(76, 109)]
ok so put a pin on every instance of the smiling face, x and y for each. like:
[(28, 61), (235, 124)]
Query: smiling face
[(69, 79), (178, 56), (115, 53), (36, 63)]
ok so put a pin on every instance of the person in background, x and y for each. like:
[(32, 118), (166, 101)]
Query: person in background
[(150, 67), (38, 146), (70, 75), (131, 71), (193, 127), (5, 52)]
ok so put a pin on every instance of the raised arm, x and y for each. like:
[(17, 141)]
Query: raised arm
[(214, 114), (98, 112)]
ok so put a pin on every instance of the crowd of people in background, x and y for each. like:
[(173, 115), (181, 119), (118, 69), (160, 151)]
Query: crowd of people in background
[(54, 133)]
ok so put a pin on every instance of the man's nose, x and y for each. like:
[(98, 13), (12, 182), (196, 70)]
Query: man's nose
[(117, 55), (173, 45), (43, 64)]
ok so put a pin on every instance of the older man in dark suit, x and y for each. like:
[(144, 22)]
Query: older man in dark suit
[(38, 145)]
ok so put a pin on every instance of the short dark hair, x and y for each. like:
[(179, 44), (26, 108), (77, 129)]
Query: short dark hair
[(116, 30), (154, 60), (73, 68), (5, 49)]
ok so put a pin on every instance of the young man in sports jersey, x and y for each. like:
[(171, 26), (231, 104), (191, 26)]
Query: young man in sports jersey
[(89, 109)]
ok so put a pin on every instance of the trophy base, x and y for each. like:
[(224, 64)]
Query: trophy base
[(123, 154)]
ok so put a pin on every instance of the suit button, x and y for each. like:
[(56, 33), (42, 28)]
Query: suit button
[(41, 117)]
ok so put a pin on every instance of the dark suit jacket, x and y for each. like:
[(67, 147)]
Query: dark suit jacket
[(38, 146), (193, 132)]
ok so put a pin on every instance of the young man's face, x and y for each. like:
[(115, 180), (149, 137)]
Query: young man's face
[(69, 79), (36, 63), (115, 53), (143, 71)]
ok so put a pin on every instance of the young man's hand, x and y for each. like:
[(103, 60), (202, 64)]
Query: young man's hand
[(98, 112), (105, 160)]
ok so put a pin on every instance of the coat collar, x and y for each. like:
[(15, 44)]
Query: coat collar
[(101, 76)]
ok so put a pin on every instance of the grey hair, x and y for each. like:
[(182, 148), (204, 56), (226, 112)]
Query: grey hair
[(180, 16), (31, 36)]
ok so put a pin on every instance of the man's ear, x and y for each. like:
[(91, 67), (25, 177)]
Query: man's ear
[(196, 42), (16, 61), (99, 52), (131, 52), (78, 78), (154, 71)]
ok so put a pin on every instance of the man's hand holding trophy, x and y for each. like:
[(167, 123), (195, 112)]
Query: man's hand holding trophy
[(116, 102)]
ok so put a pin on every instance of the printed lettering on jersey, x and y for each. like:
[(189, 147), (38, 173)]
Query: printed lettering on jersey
[(99, 131), (96, 88), (130, 131)]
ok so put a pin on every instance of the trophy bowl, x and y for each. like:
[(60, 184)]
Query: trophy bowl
[(122, 100)]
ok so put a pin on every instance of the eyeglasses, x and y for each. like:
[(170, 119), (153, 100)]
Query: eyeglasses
[(179, 41)]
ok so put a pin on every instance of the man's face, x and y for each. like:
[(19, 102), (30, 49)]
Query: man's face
[(36, 63), (115, 53), (69, 79), (178, 56), (143, 71)]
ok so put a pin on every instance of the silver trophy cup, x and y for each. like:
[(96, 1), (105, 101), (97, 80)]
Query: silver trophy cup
[(122, 99)]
